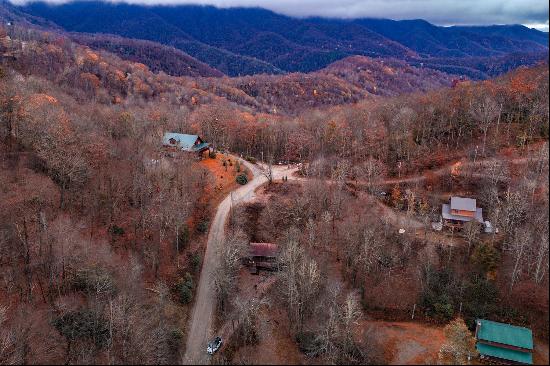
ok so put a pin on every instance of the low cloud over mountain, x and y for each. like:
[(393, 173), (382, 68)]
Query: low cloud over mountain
[(533, 13)]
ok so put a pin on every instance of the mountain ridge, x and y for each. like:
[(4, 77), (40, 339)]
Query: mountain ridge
[(246, 41)]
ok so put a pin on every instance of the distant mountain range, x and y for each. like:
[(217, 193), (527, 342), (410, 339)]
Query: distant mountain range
[(246, 41), (155, 55)]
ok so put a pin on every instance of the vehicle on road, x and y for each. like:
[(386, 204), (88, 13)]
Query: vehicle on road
[(214, 345)]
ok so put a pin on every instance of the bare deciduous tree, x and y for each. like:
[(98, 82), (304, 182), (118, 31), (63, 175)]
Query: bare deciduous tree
[(301, 279), (484, 110), (225, 276), (518, 247), (267, 170), (471, 231)]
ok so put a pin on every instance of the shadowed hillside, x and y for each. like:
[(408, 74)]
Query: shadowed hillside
[(152, 54), (243, 41)]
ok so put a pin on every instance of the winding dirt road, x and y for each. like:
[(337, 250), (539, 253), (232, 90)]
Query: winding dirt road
[(458, 165), (200, 323)]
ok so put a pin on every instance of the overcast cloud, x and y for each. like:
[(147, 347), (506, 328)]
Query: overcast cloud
[(533, 13)]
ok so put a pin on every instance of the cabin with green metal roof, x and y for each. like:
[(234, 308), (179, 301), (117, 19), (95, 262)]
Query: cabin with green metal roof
[(504, 343), (185, 142)]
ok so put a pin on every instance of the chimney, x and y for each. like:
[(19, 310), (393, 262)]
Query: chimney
[(478, 325)]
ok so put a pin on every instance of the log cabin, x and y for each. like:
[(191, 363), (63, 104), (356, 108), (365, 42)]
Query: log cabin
[(185, 142), (262, 256)]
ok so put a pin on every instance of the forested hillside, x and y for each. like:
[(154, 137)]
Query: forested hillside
[(345, 82), (103, 231), (85, 240), (156, 56), (244, 41), (388, 77)]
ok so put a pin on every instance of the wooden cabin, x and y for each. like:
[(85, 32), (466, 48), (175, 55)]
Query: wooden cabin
[(185, 142), (262, 256), (459, 211)]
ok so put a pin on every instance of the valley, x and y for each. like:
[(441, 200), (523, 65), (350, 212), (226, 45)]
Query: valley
[(310, 190)]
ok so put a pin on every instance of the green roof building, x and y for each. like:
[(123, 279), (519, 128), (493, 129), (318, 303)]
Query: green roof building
[(504, 342), (185, 142)]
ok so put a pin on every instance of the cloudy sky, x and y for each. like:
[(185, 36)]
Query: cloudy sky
[(533, 13)]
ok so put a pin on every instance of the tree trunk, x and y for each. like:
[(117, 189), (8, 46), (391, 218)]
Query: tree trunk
[(484, 140), (516, 266), (62, 196), (177, 247)]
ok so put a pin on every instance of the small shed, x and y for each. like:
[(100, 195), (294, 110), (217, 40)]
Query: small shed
[(185, 142), (504, 343), (262, 256)]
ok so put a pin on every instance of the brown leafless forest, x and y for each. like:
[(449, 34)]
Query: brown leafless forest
[(102, 235)]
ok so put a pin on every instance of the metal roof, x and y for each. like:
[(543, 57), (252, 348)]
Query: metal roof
[(502, 333), (447, 215), (463, 204), (505, 353), (263, 250), (184, 141), (201, 146)]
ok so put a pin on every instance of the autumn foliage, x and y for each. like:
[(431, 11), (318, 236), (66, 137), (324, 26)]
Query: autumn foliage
[(102, 230)]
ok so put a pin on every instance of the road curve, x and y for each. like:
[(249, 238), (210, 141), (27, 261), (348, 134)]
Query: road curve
[(200, 323)]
